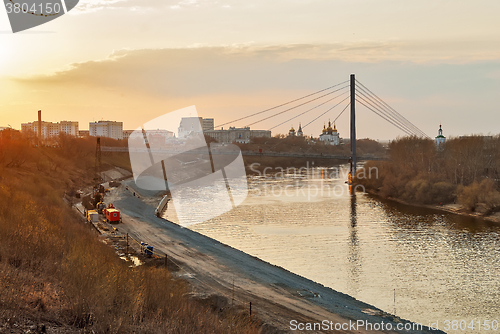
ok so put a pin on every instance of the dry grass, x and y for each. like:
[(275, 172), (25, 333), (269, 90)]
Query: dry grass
[(53, 268)]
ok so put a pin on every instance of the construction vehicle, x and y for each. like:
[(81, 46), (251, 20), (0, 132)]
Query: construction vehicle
[(92, 216), (96, 198), (113, 215), (100, 207)]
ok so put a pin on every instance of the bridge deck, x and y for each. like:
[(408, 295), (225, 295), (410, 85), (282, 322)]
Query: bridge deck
[(263, 154)]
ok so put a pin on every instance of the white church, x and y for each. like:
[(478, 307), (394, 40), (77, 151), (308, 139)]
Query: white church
[(330, 135), (440, 139)]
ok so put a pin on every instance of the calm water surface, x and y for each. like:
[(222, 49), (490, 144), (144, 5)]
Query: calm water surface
[(441, 266)]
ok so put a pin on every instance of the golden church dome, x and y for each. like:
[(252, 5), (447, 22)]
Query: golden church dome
[(329, 129)]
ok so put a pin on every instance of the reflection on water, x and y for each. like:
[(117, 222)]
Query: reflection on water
[(439, 266), (354, 258)]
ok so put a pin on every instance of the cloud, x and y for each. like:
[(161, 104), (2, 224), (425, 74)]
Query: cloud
[(237, 69), (243, 68), (89, 6), (251, 78)]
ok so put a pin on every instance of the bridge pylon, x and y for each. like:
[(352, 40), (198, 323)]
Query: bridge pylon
[(353, 126)]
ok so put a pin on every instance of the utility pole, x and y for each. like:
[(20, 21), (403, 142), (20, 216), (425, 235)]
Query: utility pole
[(353, 126), (39, 141), (97, 166)]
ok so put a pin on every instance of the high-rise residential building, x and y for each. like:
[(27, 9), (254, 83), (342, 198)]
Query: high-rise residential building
[(50, 129), (192, 125), (207, 124), (70, 128), (110, 129)]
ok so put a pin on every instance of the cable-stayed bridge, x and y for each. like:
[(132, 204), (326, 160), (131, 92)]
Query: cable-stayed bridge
[(346, 93), (343, 96)]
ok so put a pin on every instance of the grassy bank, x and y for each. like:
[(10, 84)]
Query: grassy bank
[(54, 271)]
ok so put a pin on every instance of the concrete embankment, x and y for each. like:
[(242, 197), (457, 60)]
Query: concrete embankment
[(278, 296)]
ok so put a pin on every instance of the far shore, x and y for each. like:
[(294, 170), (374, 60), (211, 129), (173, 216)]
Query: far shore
[(449, 207)]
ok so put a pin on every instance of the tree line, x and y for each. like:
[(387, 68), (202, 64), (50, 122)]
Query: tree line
[(464, 170)]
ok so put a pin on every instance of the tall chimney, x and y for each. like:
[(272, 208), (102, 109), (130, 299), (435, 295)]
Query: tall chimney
[(39, 124)]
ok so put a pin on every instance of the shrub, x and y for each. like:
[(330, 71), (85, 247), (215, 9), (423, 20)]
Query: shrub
[(484, 192)]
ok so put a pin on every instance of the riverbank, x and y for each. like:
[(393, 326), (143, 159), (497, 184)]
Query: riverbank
[(450, 208), (217, 271), (57, 275)]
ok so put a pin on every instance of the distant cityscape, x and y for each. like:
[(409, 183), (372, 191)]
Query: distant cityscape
[(114, 129), (46, 130)]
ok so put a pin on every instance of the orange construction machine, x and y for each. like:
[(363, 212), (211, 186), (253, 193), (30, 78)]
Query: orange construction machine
[(113, 215)]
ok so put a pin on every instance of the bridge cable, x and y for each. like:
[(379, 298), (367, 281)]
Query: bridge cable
[(392, 111), (281, 105), (396, 125), (416, 129), (347, 106), (384, 112), (284, 111), (305, 112), (327, 112), (383, 109), (370, 106)]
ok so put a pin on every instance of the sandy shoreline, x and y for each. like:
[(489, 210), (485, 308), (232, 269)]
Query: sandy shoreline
[(215, 269)]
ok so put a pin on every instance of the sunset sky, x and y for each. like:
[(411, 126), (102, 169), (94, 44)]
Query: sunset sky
[(133, 60)]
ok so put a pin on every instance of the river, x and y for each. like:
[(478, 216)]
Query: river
[(420, 264)]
